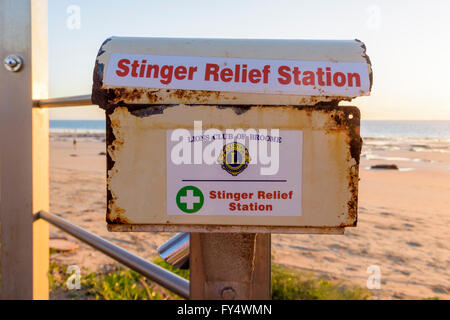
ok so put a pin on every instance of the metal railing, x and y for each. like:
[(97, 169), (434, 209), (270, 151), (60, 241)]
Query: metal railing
[(153, 272), (72, 101)]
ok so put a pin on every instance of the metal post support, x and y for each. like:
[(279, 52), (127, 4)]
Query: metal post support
[(23, 149), (230, 266)]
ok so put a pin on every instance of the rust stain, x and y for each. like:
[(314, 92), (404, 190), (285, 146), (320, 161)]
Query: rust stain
[(194, 96), (237, 109), (118, 220), (115, 214), (340, 113), (153, 97), (222, 228), (347, 119), (355, 144), (127, 95), (366, 57), (138, 98), (144, 96), (352, 204)]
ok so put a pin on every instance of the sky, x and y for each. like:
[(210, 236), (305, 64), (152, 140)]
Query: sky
[(407, 42)]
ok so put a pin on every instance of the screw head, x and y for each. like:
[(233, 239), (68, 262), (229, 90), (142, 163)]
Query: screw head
[(13, 63)]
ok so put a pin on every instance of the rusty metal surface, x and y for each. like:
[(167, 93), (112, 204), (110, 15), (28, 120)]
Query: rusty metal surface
[(107, 96), (222, 229), (244, 274), (137, 159), (119, 96)]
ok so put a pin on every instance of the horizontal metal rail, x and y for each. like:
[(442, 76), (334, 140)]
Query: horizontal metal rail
[(72, 101), (155, 273)]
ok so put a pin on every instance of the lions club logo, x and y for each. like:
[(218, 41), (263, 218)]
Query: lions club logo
[(234, 158)]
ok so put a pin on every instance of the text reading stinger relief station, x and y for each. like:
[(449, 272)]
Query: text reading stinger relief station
[(312, 78), (234, 172)]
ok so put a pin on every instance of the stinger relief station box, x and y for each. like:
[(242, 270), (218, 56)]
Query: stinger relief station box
[(231, 135)]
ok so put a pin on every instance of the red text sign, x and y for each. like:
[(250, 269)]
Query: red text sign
[(307, 78)]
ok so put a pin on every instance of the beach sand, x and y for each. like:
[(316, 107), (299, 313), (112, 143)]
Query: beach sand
[(403, 222)]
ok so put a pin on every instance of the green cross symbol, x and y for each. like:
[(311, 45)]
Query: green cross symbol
[(190, 199)]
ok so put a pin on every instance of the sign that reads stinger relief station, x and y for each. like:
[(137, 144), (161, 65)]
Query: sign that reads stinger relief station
[(314, 78), (234, 173)]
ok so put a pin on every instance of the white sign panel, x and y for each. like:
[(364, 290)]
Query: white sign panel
[(234, 173), (266, 76)]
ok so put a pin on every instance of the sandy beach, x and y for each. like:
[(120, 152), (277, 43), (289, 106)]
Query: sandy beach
[(403, 222)]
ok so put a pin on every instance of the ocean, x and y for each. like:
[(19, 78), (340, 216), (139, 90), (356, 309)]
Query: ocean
[(369, 129), (406, 129), (78, 126)]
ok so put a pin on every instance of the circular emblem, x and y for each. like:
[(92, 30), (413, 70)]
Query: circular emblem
[(190, 199), (234, 158)]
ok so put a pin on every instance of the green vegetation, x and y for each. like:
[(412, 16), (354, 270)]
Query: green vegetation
[(118, 283), (182, 273), (289, 284)]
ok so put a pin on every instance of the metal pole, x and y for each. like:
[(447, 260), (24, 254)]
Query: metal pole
[(155, 273), (230, 266), (16, 180), (72, 101)]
